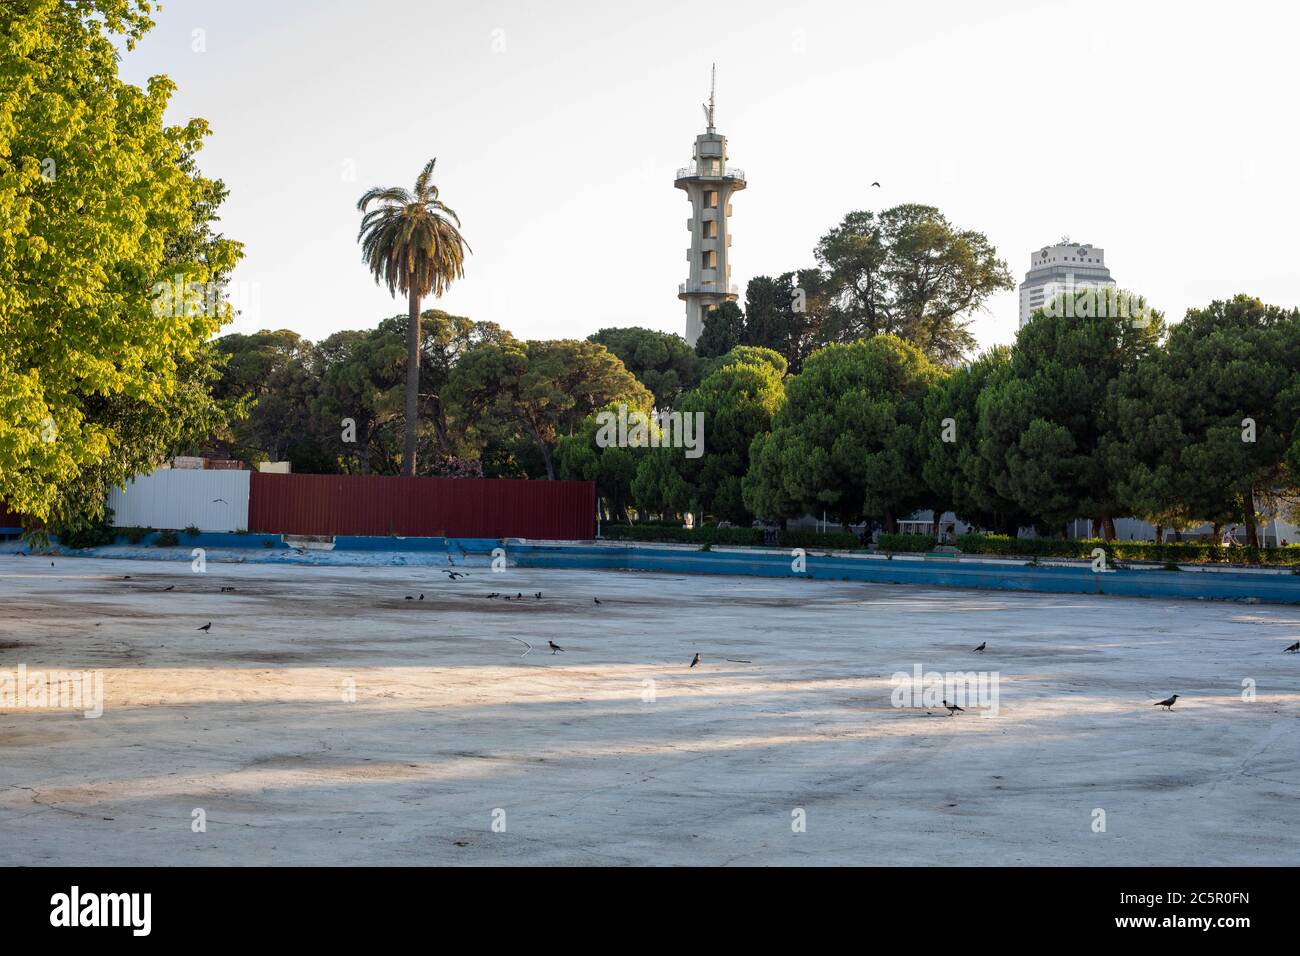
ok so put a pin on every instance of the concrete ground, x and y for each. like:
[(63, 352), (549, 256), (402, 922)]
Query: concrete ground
[(615, 752)]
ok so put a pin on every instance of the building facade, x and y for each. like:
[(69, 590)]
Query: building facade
[(1061, 268), (709, 184)]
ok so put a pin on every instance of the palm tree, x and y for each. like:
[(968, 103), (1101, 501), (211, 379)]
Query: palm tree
[(412, 242)]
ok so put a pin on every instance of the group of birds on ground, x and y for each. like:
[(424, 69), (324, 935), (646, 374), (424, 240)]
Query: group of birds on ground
[(452, 575)]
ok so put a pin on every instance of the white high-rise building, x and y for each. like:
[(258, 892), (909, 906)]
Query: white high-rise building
[(1062, 268), (709, 183)]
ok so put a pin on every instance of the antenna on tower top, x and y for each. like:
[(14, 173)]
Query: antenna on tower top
[(713, 83)]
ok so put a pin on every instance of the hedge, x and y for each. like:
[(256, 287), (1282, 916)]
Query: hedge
[(1175, 553), (709, 534), (905, 542)]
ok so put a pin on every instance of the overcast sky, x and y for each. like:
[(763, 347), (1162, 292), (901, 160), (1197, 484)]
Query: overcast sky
[(1163, 132)]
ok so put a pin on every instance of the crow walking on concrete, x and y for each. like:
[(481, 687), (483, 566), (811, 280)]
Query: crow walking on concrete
[(597, 600), (169, 587), (982, 646), (554, 647), (954, 709), (1167, 703), (205, 627), (538, 595), (1293, 649), (695, 660)]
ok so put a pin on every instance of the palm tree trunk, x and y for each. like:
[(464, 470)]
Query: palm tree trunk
[(412, 381)]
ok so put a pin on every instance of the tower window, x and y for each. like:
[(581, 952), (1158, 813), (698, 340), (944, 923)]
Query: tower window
[(711, 229), (709, 260), (711, 199)]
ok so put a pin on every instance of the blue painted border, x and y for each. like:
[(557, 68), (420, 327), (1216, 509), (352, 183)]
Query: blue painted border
[(1270, 587)]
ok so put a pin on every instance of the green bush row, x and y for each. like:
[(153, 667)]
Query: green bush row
[(1175, 553), (710, 535), (905, 542)]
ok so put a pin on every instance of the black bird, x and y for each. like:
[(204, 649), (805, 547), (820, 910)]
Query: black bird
[(421, 597), (554, 647), (695, 660), (450, 561), (409, 598), (453, 575), (51, 564), (877, 185), (205, 627), (519, 596), (221, 501), (982, 646), (169, 587), (494, 594), (126, 577), (597, 600), (1293, 649), (229, 588), (538, 595), (954, 709), (1167, 703)]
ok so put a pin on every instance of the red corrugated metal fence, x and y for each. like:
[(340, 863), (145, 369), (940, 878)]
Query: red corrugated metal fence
[(421, 507)]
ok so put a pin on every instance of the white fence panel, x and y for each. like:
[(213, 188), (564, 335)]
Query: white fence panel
[(215, 500)]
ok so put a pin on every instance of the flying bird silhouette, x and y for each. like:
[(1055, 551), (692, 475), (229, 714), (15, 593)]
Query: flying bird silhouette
[(982, 646), (205, 627), (953, 708), (554, 647), (877, 185), (1167, 703), (222, 501), (695, 660)]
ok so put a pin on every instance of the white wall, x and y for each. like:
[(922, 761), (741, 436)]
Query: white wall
[(179, 498)]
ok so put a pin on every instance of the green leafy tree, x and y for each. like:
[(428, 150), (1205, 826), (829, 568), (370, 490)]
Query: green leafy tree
[(736, 401), (724, 329), (412, 243), (845, 440), (908, 272), (581, 457), (538, 391), (661, 361), (786, 313), (110, 275), (957, 475), (1204, 428), (1042, 428)]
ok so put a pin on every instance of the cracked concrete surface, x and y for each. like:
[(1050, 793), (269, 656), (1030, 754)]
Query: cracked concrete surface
[(452, 721)]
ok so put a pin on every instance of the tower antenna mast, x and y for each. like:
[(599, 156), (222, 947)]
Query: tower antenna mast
[(713, 83)]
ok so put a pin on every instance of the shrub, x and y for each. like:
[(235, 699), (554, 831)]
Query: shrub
[(192, 531), (134, 535), (1170, 553), (905, 542), (167, 539)]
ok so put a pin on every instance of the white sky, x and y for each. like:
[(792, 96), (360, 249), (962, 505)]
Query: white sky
[(1165, 133)]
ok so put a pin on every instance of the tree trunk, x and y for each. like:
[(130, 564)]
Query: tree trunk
[(412, 381), (546, 456), (1248, 509), (1160, 534), (1096, 527), (1108, 528)]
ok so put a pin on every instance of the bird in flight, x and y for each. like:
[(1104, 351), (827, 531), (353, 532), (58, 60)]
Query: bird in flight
[(205, 627), (1293, 649), (695, 660), (953, 708), (453, 575), (222, 501), (554, 647), (1167, 703), (877, 185), (982, 646)]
